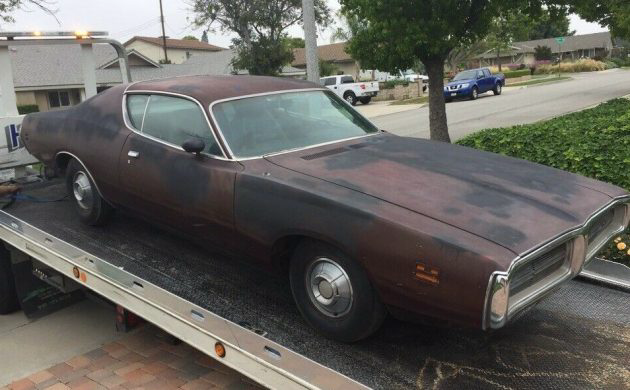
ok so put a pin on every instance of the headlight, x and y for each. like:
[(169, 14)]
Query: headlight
[(465, 85)]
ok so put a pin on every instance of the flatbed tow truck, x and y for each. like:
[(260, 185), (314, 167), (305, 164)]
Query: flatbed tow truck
[(578, 337)]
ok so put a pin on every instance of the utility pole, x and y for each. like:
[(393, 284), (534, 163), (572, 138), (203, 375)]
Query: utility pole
[(163, 34), (310, 39)]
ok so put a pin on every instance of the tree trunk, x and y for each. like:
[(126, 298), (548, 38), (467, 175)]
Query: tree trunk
[(499, 57), (437, 107)]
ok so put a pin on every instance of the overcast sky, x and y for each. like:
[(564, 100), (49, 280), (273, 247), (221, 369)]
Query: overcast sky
[(126, 18)]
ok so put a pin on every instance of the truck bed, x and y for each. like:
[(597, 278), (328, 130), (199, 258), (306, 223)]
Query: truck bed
[(577, 338)]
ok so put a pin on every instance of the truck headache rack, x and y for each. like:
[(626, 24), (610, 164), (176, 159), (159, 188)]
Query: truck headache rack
[(577, 335)]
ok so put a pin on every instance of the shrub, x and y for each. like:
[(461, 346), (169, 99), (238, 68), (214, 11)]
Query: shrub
[(27, 109), (542, 53), (593, 143), (391, 84), (582, 65), (516, 73)]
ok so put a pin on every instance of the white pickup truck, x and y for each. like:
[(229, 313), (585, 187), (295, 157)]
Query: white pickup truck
[(345, 87)]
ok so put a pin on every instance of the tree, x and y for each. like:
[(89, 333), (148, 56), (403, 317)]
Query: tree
[(9, 6), (395, 33), (294, 42), (327, 68), (461, 55), (551, 23), (614, 14), (263, 57), (260, 26), (190, 38), (204, 36), (542, 53)]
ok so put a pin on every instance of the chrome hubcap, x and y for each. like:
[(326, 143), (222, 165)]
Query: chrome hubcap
[(82, 190), (349, 99), (329, 287), (499, 87), (474, 93)]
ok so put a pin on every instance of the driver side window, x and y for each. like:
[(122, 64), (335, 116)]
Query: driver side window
[(175, 120)]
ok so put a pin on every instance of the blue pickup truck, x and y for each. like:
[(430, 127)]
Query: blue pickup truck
[(470, 83)]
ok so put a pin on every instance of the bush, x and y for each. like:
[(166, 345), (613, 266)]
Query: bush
[(583, 65), (27, 109), (593, 143), (516, 73), (391, 84)]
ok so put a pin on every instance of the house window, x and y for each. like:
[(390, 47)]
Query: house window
[(58, 99)]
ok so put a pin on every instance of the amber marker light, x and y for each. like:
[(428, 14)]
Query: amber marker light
[(76, 272), (427, 274), (81, 34), (219, 349)]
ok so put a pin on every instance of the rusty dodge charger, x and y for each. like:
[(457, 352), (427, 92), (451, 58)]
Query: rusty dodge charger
[(364, 223)]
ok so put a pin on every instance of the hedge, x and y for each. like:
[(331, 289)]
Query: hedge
[(593, 143), (516, 73), (27, 109)]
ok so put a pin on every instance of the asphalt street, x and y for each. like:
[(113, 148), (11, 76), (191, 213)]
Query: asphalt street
[(514, 106)]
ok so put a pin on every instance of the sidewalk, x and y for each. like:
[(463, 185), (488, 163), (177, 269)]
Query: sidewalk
[(375, 109), (79, 348), (139, 360)]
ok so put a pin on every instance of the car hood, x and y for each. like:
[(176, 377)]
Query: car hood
[(459, 82), (511, 202)]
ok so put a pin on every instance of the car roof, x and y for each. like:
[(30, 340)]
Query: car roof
[(208, 89)]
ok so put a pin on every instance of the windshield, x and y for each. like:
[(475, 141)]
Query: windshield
[(269, 124), (465, 75)]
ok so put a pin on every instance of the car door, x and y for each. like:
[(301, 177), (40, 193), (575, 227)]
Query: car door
[(165, 183), (482, 81)]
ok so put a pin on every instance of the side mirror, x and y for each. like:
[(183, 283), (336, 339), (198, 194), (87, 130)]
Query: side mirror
[(193, 145)]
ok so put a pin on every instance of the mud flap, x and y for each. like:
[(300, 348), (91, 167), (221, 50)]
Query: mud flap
[(43, 294)]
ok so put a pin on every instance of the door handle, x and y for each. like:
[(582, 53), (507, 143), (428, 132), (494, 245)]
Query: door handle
[(133, 154)]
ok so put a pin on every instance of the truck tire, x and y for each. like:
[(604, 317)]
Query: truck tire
[(333, 293), (497, 89), (366, 100), (474, 94), (93, 210), (8, 296), (350, 97)]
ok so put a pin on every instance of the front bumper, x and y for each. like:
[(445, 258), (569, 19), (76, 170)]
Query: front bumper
[(457, 93), (548, 266)]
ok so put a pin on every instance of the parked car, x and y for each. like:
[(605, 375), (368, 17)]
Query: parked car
[(363, 222), (345, 87), (470, 83)]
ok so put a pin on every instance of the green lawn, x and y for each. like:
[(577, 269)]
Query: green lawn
[(418, 100), (543, 80), (593, 143)]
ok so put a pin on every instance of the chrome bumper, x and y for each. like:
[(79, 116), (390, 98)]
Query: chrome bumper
[(501, 306)]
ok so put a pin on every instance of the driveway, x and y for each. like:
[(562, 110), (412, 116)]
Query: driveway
[(514, 106)]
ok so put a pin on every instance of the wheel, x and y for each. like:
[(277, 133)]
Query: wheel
[(350, 97), (474, 94), (92, 208), (497, 89), (8, 296), (333, 293), (366, 100)]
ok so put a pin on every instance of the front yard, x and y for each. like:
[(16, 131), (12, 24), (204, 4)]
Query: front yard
[(594, 143)]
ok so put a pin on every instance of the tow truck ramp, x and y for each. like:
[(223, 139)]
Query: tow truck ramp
[(579, 337)]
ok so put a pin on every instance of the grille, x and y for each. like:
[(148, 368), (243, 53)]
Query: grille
[(600, 225), (537, 269)]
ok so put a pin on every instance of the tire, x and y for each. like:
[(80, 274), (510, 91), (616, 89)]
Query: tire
[(497, 89), (474, 94), (91, 207), (365, 100), (351, 98), (333, 317), (448, 100), (8, 296)]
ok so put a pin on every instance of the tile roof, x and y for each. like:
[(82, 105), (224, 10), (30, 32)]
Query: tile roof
[(176, 43), (333, 53)]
